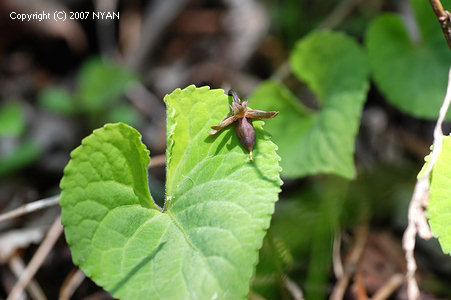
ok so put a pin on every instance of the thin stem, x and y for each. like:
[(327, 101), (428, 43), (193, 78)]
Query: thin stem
[(395, 281), (293, 288), (444, 18), (30, 207), (71, 283), (336, 257), (17, 266), (417, 220), (351, 263), (340, 12)]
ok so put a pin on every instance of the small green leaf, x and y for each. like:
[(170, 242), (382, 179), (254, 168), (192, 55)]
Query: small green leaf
[(123, 113), (58, 100), (12, 120), (439, 209), (101, 83), (21, 156), (412, 75), (334, 67), (218, 206)]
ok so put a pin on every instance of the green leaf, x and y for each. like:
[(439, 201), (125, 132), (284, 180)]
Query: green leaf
[(12, 120), (21, 156), (412, 75), (334, 67), (123, 113), (101, 83), (303, 255), (57, 100), (218, 206), (439, 209)]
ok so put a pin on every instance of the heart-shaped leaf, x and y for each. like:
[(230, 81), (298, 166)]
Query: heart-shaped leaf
[(439, 209), (411, 74), (335, 68), (204, 244)]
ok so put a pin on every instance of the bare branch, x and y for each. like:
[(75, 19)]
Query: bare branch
[(444, 18)]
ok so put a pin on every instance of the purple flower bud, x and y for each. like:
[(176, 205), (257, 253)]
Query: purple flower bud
[(242, 118), (246, 134)]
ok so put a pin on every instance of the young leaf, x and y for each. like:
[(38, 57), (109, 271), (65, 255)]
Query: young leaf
[(204, 244), (335, 68), (439, 209), (58, 100), (411, 74), (101, 83), (22, 155), (12, 120), (124, 113)]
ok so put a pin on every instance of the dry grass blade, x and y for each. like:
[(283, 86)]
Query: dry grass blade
[(71, 283), (17, 266), (351, 263), (387, 289), (37, 260), (30, 207)]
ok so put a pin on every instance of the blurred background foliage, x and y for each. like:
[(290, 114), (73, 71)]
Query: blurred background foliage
[(59, 81)]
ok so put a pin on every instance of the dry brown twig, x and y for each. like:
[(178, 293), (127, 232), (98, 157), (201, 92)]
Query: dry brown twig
[(358, 287), (389, 287), (444, 17), (30, 207), (37, 260), (351, 263), (71, 283), (17, 266)]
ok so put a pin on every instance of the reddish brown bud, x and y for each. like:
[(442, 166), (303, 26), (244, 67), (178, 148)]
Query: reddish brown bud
[(242, 116), (246, 134)]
